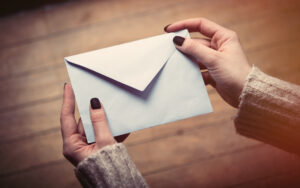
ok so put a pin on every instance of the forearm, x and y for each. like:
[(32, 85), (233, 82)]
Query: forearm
[(269, 111), (109, 167)]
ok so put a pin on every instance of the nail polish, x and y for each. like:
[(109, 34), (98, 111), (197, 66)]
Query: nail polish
[(165, 28), (95, 103), (178, 40)]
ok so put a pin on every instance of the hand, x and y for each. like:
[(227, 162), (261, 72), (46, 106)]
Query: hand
[(75, 147), (221, 54)]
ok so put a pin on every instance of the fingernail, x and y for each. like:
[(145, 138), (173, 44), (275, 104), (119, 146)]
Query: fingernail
[(178, 40), (165, 28), (95, 103), (65, 84)]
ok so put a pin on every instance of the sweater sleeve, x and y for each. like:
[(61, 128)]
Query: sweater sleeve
[(109, 167), (269, 111)]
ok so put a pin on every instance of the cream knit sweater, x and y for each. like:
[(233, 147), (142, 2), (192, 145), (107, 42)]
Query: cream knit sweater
[(109, 167), (269, 111)]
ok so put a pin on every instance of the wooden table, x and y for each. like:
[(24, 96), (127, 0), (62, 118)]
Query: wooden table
[(204, 151)]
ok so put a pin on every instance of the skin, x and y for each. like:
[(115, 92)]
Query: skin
[(220, 54), (75, 147)]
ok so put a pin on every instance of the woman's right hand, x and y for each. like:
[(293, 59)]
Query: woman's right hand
[(221, 54)]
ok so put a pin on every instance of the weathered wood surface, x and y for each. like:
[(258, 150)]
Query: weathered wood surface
[(207, 152)]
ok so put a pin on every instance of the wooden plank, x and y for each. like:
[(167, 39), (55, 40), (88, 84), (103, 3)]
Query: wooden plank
[(268, 30), (227, 170), (289, 179), (204, 141), (38, 24), (281, 61), (88, 38), (30, 152), (22, 26), (53, 174), (51, 22), (237, 169), (190, 145), (17, 83), (28, 89), (36, 119)]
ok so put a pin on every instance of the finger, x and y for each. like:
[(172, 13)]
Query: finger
[(208, 79), (200, 52), (201, 66), (98, 118), (121, 138), (202, 25), (67, 118), (80, 127), (205, 42)]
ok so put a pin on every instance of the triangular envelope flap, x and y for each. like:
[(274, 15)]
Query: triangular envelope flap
[(134, 64)]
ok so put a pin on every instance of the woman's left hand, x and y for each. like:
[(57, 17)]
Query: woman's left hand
[(75, 146)]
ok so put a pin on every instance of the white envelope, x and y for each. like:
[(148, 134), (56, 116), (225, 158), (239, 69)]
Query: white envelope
[(141, 84)]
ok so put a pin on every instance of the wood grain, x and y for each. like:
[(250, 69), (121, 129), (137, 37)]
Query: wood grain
[(63, 45), (54, 20), (207, 152), (228, 170), (35, 151)]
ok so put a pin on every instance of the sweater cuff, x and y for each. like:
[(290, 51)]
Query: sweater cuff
[(269, 111), (111, 166)]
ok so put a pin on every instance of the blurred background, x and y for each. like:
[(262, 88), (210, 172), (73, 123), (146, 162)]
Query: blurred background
[(203, 151)]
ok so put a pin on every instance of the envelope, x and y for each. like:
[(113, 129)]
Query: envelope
[(141, 84)]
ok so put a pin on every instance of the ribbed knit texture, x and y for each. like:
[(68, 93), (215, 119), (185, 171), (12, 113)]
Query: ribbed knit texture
[(109, 167), (269, 111)]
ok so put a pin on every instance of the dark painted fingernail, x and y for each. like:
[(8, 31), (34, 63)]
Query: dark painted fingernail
[(165, 28), (95, 103), (65, 84), (178, 40)]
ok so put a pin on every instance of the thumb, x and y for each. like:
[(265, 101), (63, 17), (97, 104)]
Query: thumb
[(194, 48), (103, 135)]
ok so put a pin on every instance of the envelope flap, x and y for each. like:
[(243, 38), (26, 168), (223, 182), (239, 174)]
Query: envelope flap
[(134, 64)]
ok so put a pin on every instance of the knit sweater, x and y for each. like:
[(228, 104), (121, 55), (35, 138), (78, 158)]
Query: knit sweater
[(269, 111), (109, 167)]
